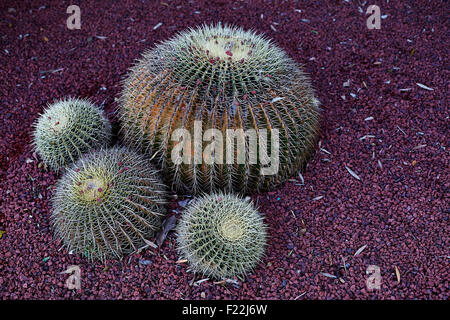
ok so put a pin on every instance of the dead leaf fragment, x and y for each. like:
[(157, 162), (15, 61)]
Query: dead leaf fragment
[(328, 275), (424, 87), (360, 250), (420, 146), (301, 178), (168, 225), (200, 281), (317, 198), (380, 164), (181, 261), (354, 175), (157, 26), (397, 273)]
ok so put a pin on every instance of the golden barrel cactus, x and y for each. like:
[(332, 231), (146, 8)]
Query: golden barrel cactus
[(222, 236), (67, 129), (227, 79), (108, 203)]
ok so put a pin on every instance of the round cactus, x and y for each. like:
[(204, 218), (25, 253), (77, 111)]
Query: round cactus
[(224, 78), (67, 129), (221, 236), (107, 203)]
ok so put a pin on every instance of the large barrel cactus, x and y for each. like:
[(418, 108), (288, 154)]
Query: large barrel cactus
[(223, 78), (108, 203)]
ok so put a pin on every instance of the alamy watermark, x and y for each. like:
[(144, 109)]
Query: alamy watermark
[(74, 281), (374, 20), (189, 151), (373, 282), (74, 20)]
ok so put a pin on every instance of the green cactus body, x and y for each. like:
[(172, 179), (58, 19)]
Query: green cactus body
[(107, 203), (221, 236), (67, 129), (224, 78)]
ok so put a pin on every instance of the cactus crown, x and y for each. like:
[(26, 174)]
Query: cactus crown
[(221, 236), (222, 62), (107, 203), (67, 129)]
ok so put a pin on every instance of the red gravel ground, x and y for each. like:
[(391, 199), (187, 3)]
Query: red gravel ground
[(384, 126)]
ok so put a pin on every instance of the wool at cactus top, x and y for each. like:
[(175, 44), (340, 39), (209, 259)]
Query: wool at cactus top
[(108, 203), (67, 129), (224, 78), (221, 235)]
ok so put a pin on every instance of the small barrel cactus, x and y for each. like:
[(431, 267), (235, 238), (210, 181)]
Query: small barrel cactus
[(221, 236), (67, 129), (224, 78), (108, 203)]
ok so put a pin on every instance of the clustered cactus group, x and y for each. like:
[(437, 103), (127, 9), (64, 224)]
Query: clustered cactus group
[(109, 201)]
